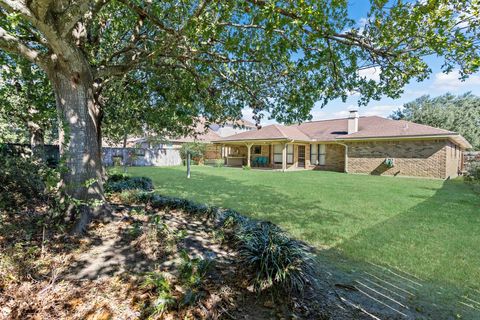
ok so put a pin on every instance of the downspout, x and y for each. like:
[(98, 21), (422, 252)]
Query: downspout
[(346, 155)]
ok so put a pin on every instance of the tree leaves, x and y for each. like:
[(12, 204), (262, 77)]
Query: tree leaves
[(455, 113)]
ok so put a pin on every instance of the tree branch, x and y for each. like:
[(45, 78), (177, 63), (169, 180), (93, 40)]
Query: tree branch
[(145, 14), (77, 11), (13, 45)]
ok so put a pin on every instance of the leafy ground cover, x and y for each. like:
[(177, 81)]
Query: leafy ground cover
[(159, 258), (426, 232)]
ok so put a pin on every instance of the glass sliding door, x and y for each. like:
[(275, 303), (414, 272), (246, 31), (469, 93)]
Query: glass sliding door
[(301, 157), (318, 154), (314, 154), (277, 153), (321, 154), (289, 153)]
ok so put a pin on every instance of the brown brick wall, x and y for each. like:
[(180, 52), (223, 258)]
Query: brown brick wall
[(421, 158), (213, 151), (334, 158)]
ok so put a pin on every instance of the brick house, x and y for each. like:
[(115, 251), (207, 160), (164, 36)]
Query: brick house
[(369, 145)]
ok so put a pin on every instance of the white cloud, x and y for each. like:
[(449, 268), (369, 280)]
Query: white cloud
[(371, 73), (247, 114), (451, 81), (341, 114), (382, 110)]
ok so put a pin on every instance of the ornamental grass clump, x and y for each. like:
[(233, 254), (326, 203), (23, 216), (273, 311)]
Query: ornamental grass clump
[(277, 262)]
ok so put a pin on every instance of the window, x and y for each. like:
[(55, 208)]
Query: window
[(257, 149), (318, 154), (322, 151), (314, 154), (277, 153), (289, 153)]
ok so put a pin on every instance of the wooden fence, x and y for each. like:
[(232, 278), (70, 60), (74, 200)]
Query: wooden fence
[(112, 156)]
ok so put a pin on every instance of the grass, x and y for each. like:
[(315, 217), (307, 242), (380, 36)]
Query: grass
[(427, 228)]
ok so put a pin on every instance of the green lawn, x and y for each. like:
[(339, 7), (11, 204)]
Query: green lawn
[(426, 228)]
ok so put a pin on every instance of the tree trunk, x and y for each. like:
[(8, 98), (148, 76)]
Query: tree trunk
[(125, 154), (79, 141)]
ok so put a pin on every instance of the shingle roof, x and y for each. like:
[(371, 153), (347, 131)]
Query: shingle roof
[(201, 133), (271, 132), (337, 129), (375, 127)]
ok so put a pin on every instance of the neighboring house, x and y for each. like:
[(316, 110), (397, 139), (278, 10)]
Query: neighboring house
[(151, 151), (370, 145)]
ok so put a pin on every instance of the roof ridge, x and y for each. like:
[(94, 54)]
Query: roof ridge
[(424, 125), (279, 129), (324, 120)]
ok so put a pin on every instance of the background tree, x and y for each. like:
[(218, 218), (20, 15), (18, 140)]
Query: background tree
[(27, 110), (212, 58), (455, 113)]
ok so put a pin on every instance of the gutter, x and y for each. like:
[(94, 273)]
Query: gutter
[(453, 136)]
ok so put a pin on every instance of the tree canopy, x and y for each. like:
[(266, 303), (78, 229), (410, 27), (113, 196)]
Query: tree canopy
[(27, 109), (175, 61), (455, 113)]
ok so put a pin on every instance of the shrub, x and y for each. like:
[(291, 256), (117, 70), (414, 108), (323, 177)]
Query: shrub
[(277, 261), (473, 173), (196, 149), (219, 163), (119, 183), (23, 180), (190, 207)]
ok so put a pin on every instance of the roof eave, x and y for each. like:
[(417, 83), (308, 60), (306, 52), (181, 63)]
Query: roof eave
[(453, 136)]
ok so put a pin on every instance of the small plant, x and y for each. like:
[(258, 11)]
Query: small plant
[(193, 270), (219, 236), (128, 196), (192, 274), (219, 163), (135, 230), (277, 261), (164, 299)]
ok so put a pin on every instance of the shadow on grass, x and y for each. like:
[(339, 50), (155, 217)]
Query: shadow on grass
[(420, 260), (424, 260)]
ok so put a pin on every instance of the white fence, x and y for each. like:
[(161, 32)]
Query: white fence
[(141, 156)]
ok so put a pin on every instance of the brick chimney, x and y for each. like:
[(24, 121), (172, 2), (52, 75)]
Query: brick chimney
[(353, 121)]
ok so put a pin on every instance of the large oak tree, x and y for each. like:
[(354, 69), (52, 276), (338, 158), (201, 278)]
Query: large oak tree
[(212, 58)]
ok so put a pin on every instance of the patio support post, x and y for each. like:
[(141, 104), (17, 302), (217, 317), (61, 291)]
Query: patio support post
[(284, 156), (249, 147)]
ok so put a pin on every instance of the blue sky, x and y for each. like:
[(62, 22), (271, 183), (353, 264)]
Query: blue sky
[(438, 84)]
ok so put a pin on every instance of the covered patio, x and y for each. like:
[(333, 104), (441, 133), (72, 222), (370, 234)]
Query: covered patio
[(281, 148), (267, 154)]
